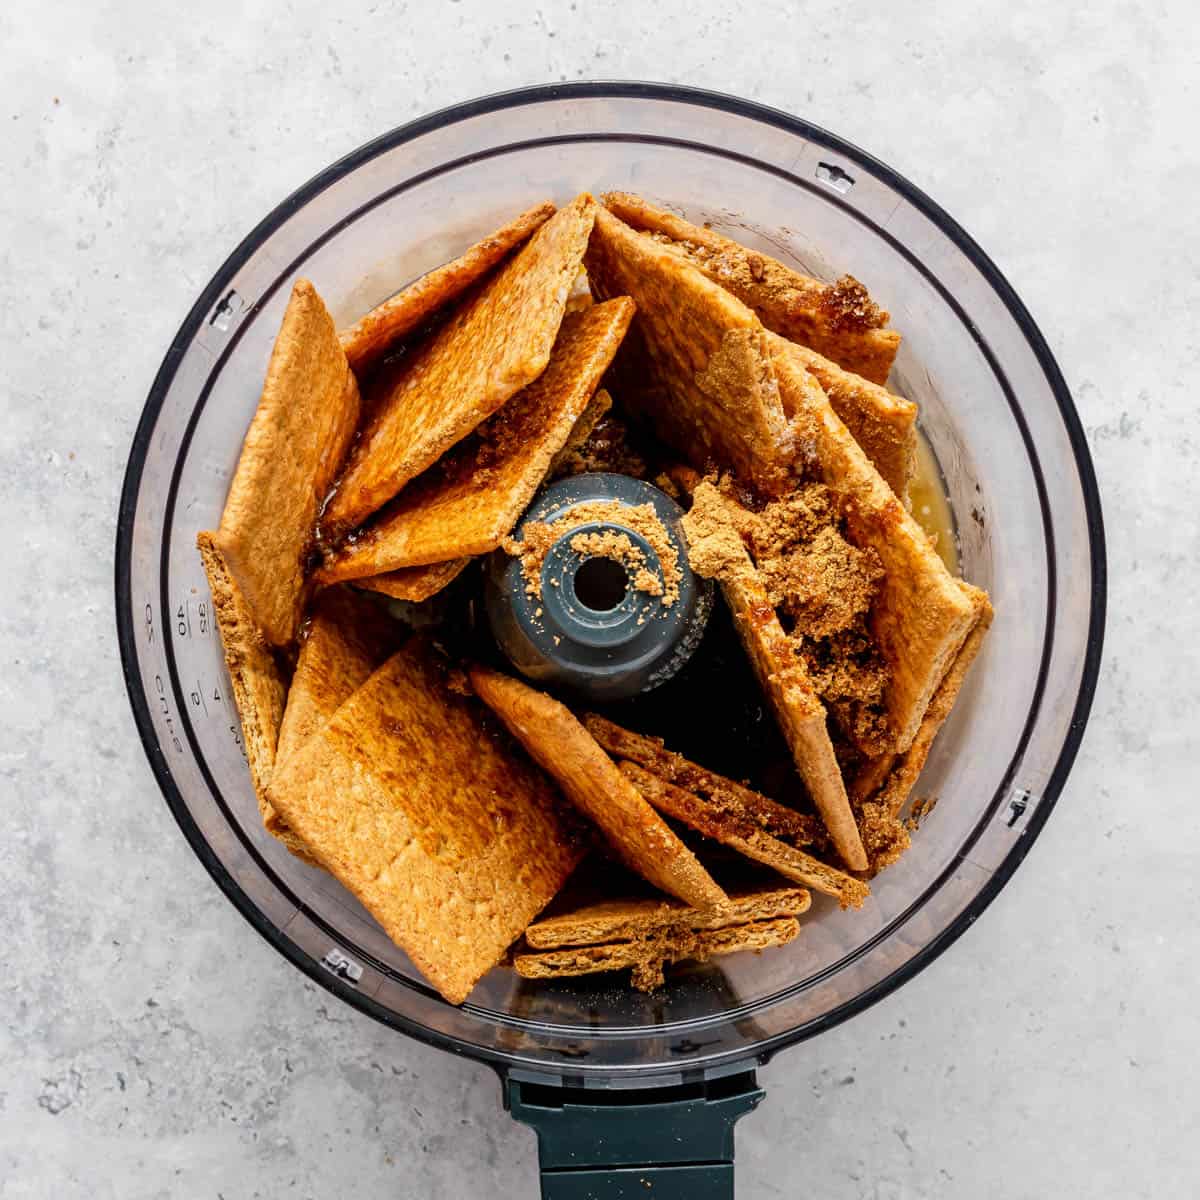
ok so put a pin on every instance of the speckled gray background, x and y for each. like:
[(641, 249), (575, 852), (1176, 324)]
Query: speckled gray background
[(151, 1044)]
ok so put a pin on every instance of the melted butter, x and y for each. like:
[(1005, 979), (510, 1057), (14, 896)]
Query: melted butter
[(930, 506)]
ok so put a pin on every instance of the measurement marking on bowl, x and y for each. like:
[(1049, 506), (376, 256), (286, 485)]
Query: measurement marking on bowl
[(1020, 804), (832, 176), (337, 963), (230, 305)]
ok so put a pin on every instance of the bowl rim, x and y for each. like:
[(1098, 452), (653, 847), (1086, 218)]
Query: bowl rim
[(636, 90)]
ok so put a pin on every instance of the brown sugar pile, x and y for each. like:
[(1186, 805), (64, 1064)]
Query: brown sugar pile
[(848, 306), (538, 537)]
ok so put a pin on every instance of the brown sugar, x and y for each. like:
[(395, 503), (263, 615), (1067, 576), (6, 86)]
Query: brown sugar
[(538, 536), (848, 306), (607, 448), (715, 547)]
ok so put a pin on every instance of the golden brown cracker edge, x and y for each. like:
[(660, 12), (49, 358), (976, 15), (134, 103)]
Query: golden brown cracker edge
[(398, 316), (301, 430)]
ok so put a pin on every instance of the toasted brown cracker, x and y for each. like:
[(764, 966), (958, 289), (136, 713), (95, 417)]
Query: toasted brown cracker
[(837, 320), (468, 502), (725, 810), (727, 794), (498, 342), (746, 836), (883, 424), (451, 839), (365, 341), (647, 958), (300, 433), (901, 775), (784, 678), (630, 918), (258, 684), (590, 779), (709, 388), (597, 408), (415, 583), (349, 637), (921, 616)]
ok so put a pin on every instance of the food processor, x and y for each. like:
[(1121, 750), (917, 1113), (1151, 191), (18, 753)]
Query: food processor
[(636, 1094)]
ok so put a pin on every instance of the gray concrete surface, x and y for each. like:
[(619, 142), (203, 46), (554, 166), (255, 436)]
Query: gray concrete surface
[(150, 1044)]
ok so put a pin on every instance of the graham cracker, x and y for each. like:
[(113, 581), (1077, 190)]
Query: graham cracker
[(300, 433), (631, 918), (498, 342), (450, 837), (899, 774), (782, 674), (415, 583), (838, 320), (469, 501), (921, 616), (742, 833), (883, 424), (349, 636), (258, 684), (647, 958), (563, 747), (367, 340), (704, 377)]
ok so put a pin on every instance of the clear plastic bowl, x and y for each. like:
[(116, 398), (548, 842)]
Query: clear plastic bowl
[(994, 408)]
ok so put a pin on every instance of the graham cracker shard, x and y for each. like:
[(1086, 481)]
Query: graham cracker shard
[(648, 957), (415, 583), (467, 503), (258, 684), (590, 779), (883, 424), (632, 918), (450, 837), (300, 433), (367, 340), (838, 320), (899, 774), (921, 615), (348, 637), (498, 342), (727, 811), (704, 378), (716, 550), (597, 409)]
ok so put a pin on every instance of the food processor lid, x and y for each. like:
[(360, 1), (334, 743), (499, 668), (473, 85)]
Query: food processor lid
[(162, 614)]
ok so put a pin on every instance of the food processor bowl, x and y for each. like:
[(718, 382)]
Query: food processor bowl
[(994, 410)]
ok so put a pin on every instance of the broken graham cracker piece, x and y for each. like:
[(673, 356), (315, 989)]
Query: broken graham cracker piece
[(415, 583), (705, 381), (348, 637), (716, 551), (300, 433), (590, 779), (259, 688), (838, 320), (742, 832), (370, 337), (648, 956), (465, 504), (446, 833), (498, 342), (725, 810), (721, 793), (630, 918), (883, 424), (920, 616), (898, 774)]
